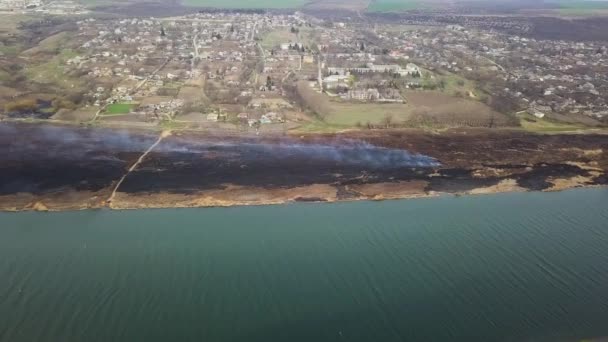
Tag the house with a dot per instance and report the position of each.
(265, 120)
(538, 111)
(412, 69)
(308, 59)
(213, 117)
(269, 118)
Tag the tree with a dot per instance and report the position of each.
(312, 100)
(504, 103)
(162, 31)
(362, 47)
(387, 121)
(269, 83)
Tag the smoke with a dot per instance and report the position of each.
(41, 142)
(339, 152)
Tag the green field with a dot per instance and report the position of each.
(277, 37)
(119, 108)
(580, 7)
(534, 124)
(352, 114)
(52, 71)
(245, 3)
(580, 4)
(396, 5)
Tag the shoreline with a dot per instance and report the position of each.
(479, 192)
(51, 168)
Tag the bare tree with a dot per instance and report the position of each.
(312, 100)
(387, 121)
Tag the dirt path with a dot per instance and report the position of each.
(163, 135)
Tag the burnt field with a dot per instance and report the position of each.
(451, 163)
(186, 166)
(63, 165)
(67, 167)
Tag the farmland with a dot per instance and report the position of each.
(246, 3)
(543, 125)
(351, 114)
(429, 109)
(396, 5)
(580, 7)
(276, 37)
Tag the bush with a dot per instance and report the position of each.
(63, 104)
(22, 105)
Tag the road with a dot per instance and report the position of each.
(263, 60)
(133, 167)
(255, 27)
(320, 71)
(196, 54)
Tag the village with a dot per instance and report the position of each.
(40, 7)
(275, 72)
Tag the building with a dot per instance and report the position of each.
(336, 81)
(363, 94)
(213, 117)
(410, 69)
(308, 59)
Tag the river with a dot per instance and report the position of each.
(506, 267)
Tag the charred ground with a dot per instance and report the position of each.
(67, 168)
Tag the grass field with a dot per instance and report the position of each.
(4, 76)
(317, 126)
(455, 85)
(78, 115)
(582, 12)
(580, 7)
(277, 37)
(430, 109)
(10, 51)
(396, 5)
(351, 114)
(119, 108)
(246, 3)
(9, 22)
(581, 4)
(534, 124)
(52, 71)
(95, 3)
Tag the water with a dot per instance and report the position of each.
(510, 267)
